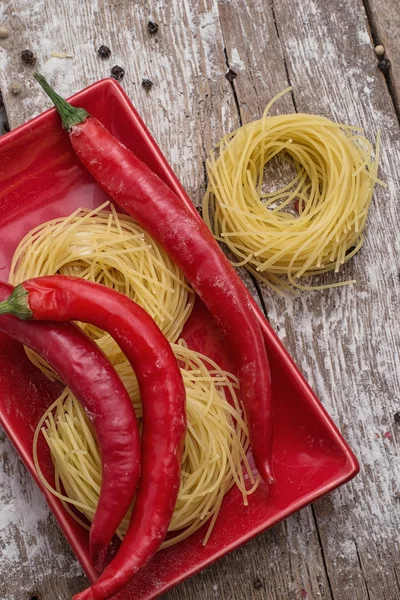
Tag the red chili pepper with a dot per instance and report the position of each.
(163, 397)
(191, 245)
(87, 372)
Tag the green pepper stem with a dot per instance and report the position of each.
(17, 304)
(70, 115)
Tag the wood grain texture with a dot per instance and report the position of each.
(346, 340)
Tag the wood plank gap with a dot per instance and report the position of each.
(237, 104)
(321, 547)
(261, 296)
(200, 211)
(362, 570)
(4, 122)
(283, 54)
(232, 84)
(373, 26)
(396, 578)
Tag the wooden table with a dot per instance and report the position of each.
(345, 340)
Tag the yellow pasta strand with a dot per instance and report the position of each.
(215, 449)
(308, 227)
(111, 249)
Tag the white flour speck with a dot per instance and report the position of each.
(363, 37)
(236, 61)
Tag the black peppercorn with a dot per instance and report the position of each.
(231, 75)
(118, 72)
(384, 65)
(152, 27)
(147, 84)
(397, 417)
(104, 52)
(28, 57)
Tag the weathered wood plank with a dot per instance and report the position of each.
(346, 341)
(283, 564)
(190, 106)
(356, 328)
(384, 19)
(35, 559)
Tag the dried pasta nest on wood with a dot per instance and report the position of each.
(313, 224)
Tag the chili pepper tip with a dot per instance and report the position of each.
(70, 115)
(267, 475)
(17, 304)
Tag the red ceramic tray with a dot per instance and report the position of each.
(40, 179)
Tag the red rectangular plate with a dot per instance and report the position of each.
(40, 179)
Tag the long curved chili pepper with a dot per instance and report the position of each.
(162, 393)
(191, 245)
(87, 372)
